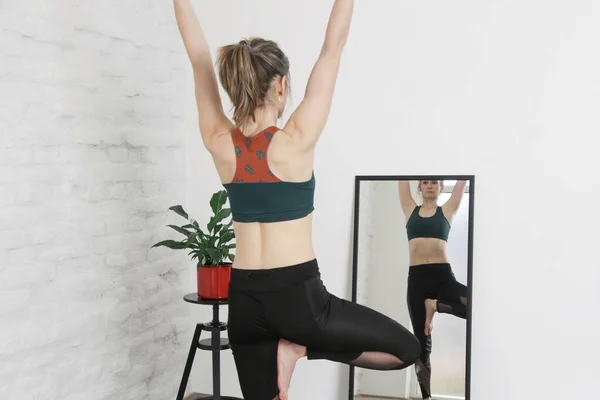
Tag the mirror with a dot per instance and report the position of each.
(412, 259)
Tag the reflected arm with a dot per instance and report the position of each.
(406, 200)
(453, 203)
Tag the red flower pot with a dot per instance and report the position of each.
(213, 281)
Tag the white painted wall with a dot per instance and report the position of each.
(507, 91)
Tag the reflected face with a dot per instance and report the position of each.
(431, 190)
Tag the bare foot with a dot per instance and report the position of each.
(287, 355)
(430, 310)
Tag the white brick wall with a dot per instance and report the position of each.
(91, 156)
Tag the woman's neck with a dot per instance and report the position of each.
(264, 117)
(427, 203)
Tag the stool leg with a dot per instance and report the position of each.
(190, 361)
(216, 353)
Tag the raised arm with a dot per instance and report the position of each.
(309, 119)
(406, 200)
(455, 199)
(211, 116)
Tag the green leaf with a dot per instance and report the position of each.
(231, 257)
(180, 230)
(214, 256)
(218, 228)
(200, 233)
(195, 226)
(198, 236)
(193, 240)
(179, 210)
(227, 232)
(172, 244)
(218, 200)
(226, 237)
(211, 225)
(204, 242)
(222, 214)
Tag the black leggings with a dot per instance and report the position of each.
(292, 303)
(432, 281)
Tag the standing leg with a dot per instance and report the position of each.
(253, 346)
(416, 309)
(256, 365)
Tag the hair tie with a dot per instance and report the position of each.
(250, 49)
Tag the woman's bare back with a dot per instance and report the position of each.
(274, 244)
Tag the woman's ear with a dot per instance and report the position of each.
(283, 82)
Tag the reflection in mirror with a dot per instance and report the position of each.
(412, 262)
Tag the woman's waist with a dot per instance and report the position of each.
(416, 260)
(429, 270)
(277, 258)
(427, 251)
(264, 246)
(273, 279)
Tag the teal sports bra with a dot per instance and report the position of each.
(255, 193)
(436, 226)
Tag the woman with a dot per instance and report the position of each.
(279, 309)
(431, 284)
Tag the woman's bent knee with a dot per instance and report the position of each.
(407, 353)
(412, 351)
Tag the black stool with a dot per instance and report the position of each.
(215, 344)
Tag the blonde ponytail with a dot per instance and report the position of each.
(246, 71)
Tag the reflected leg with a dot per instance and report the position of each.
(452, 298)
(416, 308)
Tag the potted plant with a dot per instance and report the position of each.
(211, 250)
